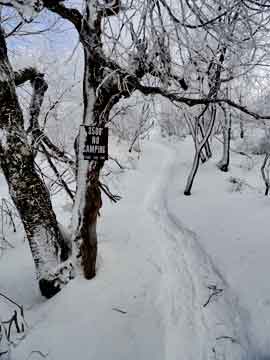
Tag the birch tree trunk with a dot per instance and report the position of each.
(26, 189)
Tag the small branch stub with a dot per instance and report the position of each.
(96, 143)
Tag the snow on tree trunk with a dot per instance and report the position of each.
(207, 148)
(225, 161)
(198, 149)
(88, 197)
(27, 190)
(194, 137)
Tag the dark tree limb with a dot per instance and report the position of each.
(57, 174)
(72, 15)
(113, 197)
(24, 75)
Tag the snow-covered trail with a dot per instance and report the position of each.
(115, 315)
(147, 299)
(214, 331)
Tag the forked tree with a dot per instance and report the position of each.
(27, 190)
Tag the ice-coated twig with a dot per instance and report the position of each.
(119, 310)
(38, 352)
(215, 292)
(227, 338)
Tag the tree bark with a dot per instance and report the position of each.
(88, 197)
(241, 122)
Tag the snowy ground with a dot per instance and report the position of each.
(234, 228)
(150, 299)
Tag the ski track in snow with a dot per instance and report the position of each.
(153, 268)
(216, 331)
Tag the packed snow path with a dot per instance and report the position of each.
(147, 301)
(198, 325)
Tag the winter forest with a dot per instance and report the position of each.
(134, 179)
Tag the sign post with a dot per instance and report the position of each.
(96, 143)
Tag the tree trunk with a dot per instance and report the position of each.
(265, 174)
(198, 149)
(242, 131)
(207, 148)
(194, 137)
(193, 173)
(224, 163)
(27, 190)
(203, 157)
(88, 197)
(88, 230)
(241, 128)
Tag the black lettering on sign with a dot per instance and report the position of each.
(96, 143)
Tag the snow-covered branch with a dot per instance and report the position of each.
(28, 9)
